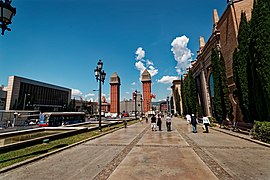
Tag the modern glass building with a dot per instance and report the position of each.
(27, 94)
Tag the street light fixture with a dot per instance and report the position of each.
(100, 76)
(167, 104)
(135, 98)
(6, 14)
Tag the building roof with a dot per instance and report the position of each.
(114, 79)
(146, 76)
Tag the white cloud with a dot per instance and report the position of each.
(148, 62)
(169, 89)
(140, 53)
(76, 93)
(141, 64)
(182, 54)
(167, 79)
(127, 92)
(89, 95)
(133, 83)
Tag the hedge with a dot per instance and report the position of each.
(261, 131)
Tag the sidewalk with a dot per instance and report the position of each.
(240, 135)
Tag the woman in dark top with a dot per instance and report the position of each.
(159, 122)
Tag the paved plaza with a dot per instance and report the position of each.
(137, 152)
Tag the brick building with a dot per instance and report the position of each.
(224, 36)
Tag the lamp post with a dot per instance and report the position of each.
(25, 95)
(135, 98)
(6, 14)
(167, 104)
(100, 76)
(141, 106)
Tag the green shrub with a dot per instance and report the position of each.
(261, 131)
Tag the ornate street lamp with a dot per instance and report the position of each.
(100, 76)
(168, 104)
(6, 14)
(135, 98)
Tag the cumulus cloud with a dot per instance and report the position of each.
(76, 93)
(149, 63)
(182, 54)
(153, 71)
(140, 53)
(142, 64)
(167, 79)
(133, 83)
(89, 95)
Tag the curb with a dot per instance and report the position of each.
(242, 137)
(28, 161)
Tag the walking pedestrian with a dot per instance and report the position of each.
(153, 123)
(188, 118)
(168, 122)
(159, 122)
(206, 123)
(194, 123)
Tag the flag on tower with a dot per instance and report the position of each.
(153, 96)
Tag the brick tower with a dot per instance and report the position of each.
(115, 93)
(146, 83)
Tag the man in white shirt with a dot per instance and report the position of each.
(168, 122)
(188, 118)
(206, 123)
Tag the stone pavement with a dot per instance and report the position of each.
(139, 153)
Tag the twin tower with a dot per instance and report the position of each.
(115, 92)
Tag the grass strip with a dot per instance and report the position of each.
(12, 157)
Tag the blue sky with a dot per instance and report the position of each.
(61, 41)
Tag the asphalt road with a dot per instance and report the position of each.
(137, 152)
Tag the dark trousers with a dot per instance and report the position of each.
(206, 127)
(159, 126)
(168, 124)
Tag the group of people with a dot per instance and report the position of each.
(194, 121)
(156, 121)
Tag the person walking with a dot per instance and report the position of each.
(206, 123)
(168, 122)
(159, 122)
(188, 119)
(194, 123)
(153, 123)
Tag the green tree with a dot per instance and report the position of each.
(177, 101)
(260, 57)
(221, 99)
(241, 67)
(189, 95)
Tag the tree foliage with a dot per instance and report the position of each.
(259, 49)
(177, 101)
(242, 69)
(189, 95)
(221, 99)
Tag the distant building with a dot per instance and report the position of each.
(128, 106)
(27, 94)
(3, 98)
